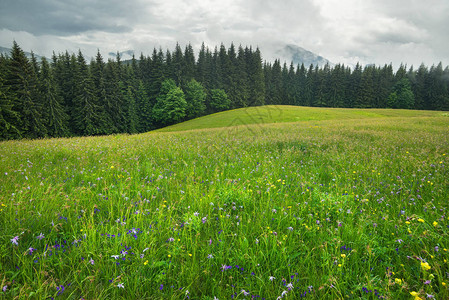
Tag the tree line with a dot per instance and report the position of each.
(67, 96)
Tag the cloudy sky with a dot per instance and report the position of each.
(346, 31)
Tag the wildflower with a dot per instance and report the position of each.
(161, 287)
(120, 285)
(171, 239)
(115, 256)
(14, 240)
(31, 249)
(420, 220)
(435, 223)
(429, 296)
(290, 286)
(91, 261)
(290, 228)
(425, 266)
(398, 281)
(196, 214)
(145, 263)
(245, 293)
(343, 255)
(204, 220)
(4, 288)
(40, 236)
(210, 256)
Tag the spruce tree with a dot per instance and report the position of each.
(56, 118)
(22, 85)
(256, 79)
(86, 112)
(9, 117)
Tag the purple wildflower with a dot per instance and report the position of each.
(14, 240)
(40, 236)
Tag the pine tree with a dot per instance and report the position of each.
(402, 95)
(157, 75)
(104, 106)
(144, 108)
(189, 65)
(22, 85)
(256, 79)
(242, 80)
(55, 116)
(115, 99)
(86, 112)
(132, 114)
(9, 117)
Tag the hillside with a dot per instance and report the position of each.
(286, 113)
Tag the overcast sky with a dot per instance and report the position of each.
(345, 31)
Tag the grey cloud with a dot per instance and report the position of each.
(53, 17)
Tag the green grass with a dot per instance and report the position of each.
(350, 206)
(284, 114)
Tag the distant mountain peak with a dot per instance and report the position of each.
(298, 55)
(7, 52)
(125, 55)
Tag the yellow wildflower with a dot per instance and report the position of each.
(425, 266)
(420, 220)
(398, 281)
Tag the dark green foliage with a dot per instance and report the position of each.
(21, 80)
(86, 112)
(195, 97)
(171, 105)
(69, 97)
(402, 95)
(9, 118)
(55, 116)
(219, 101)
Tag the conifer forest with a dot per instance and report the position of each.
(69, 96)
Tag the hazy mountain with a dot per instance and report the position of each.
(124, 55)
(7, 52)
(298, 55)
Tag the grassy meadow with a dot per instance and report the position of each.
(291, 203)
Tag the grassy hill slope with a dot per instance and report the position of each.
(352, 204)
(286, 113)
